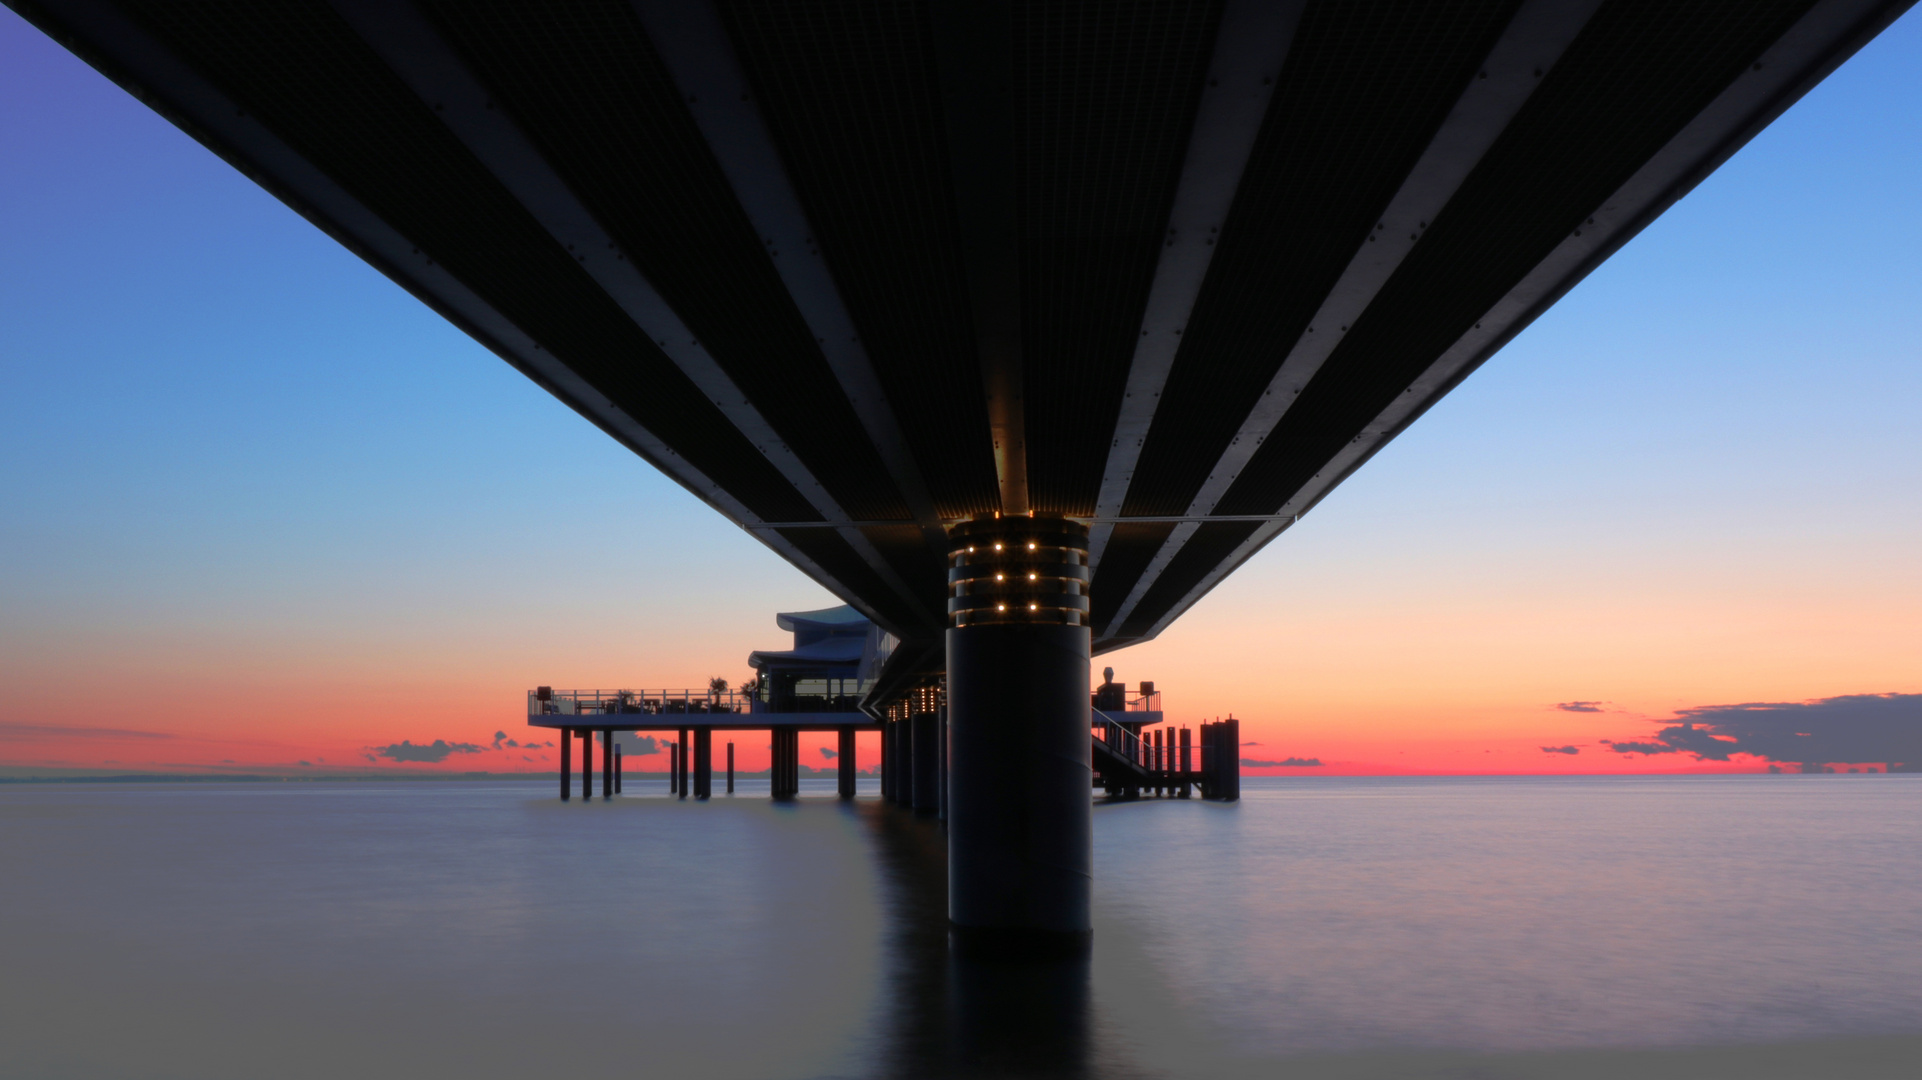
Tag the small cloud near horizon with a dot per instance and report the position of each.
(1561, 749)
(829, 754)
(1251, 744)
(436, 751)
(639, 746)
(1581, 706)
(1285, 763)
(1848, 728)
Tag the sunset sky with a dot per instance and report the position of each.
(262, 510)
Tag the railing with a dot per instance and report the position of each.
(1122, 743)
(636, 702)
(1113, 697)
(679, 702)
(1142, 752)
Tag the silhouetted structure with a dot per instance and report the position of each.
(1135, 285)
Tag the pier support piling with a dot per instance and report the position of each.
(607, 763)
(567, 765)
(784, 775)
(681, 763)
(1185, 766)
(587, 764)
(617, 768)
(904, 762)
(730, 768)
(844, 757)
(926, 763)
(703, 763)
(1020, 808)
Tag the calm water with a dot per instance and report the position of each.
(1321, 927)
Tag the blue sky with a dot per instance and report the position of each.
(237, 457)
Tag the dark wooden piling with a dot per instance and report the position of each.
(567, 764)
(704, 763)
(1184, 765)
(680, 779)
(1161, 763)
(1230, 759)
(587, 763)
(1207, 760)
(673, 770)
(617, 769)
(844, 754)
(607, 764)
(730, 768)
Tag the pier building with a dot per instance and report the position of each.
(819, 685)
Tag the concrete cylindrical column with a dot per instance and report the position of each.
(587, 763)
(927, 763)
(607, 763)
(844, 758)
(681, 763)
(904, 761)
(941, 756)
(703, 762)
(1020, 776)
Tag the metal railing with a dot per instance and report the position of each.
(1141, 752)
(680, 702)
(637, 702)
(1115, 698)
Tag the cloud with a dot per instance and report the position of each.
(645, 744)
(499, 737)
(438, 751)
(309, 764)
(15, 732)
(1285, 763)
(1853, 727)
(826, 753)
(1581, 706)
(1561, 749)
(1251, 744)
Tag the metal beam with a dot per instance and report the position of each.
(1251, 44)
(1818, 44)
(1533, 40)
(415, 51)
(110, 42)
(974, 56)
(693, 44)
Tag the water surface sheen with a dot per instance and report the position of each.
(1321, 927)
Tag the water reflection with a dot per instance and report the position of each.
(950, 1015)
